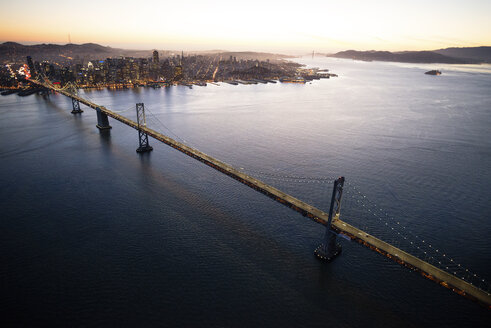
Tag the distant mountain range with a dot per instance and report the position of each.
(16, 52)
(480, 54)
(470, 55)
(13, 51)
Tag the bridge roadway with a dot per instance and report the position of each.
(424, 268)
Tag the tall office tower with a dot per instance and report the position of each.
(178, 75)
(31, 67)
(155, 56)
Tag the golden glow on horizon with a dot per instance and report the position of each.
(282, 26)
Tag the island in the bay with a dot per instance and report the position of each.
(95, 66)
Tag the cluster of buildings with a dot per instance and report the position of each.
(125, 72)
(111, 72)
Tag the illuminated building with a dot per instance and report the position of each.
(31, 67)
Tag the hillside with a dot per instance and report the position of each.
(482, 54)
(16, 52)
(12, 51)
(404, 56)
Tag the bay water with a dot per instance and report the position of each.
(94, 234)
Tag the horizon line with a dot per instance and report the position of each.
(34, 43)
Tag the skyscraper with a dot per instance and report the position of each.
(155, 56)
(31, 67)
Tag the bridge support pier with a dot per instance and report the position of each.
(329, 249)
(76, 107)
(142, 136)
(102, 120)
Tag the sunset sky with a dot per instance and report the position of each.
(281, 26)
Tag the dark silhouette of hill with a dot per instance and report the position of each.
(482, 54)
(251, 55)
(51, 48)
(16, 52)
(404, 56)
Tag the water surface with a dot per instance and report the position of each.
(94, 234)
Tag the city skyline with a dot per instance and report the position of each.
(286, 26)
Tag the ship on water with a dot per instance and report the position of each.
(434, 72)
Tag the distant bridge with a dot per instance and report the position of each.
(334, 225)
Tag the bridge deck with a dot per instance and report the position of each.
(429, 271)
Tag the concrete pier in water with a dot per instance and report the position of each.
(102, 120)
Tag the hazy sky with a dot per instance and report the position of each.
(281, 26)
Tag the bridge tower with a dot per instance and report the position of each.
(76, 107)
(102, 120)
(142, 136)
(329, 249)
(72, 89)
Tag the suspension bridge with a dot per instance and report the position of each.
(450, 274)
